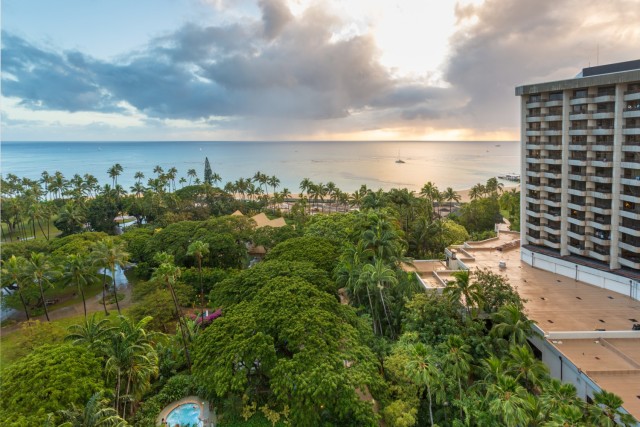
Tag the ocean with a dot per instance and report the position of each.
(459, 165)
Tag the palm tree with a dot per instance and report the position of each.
(477, 191)
(378, 275)
(215, 178)
(114, 172)
(508, 401)
(92, 333)
(423, 372)
(510, 322)
(462, 287)
(523, 366)
(169, 273)
(139, 176)
(79, 271)
(13, 274)
(607, 411)
(450, 195)
(556, 394)
(42, 272)
(457, 362)
(191, 173)
(96, 413)
(199, 250)
(108, 254)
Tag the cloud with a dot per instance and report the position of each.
(506, 43)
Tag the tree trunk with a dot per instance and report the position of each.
(42, 230)
(372, 316)
(104, 293)
(124, 406)
(430, 405)
(184, 339)
(24, 304)
(115, 290)
(201, 291)
(384, 306)
(84, 302)
(44, 304)
(116, 401)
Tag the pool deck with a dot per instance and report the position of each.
(207, 419)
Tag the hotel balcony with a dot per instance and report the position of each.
(628, 130)
(630, 263)
(602, 179)
(599, 239)
(549, 146)
(580, 116)
(603, 115)
(604, 98)
(574, 146)
(533, 186)
(551, 229)
(551, 189)
(577, 207)
(553, 103)
(534, 240)
(631, 113)
(631, 95)
(631, 180)
(531, 118)
(534, 214)
(631, 147)
(600, 225)
(582, 131)
(534, 160)
(552, 174)
(552, 132)
(552, 160)
(551, 202)
(629, 247)
(551, 243)
(537, 103)
(577, 221)
(576, 235)
(553, 117)
(533, 145)
(630, 231)
(577, 192)
(602, 146)
(630, 165)
(577, 251)
(601, 210)
(533, 173)
(532, 200)
(577, 176)
(536, 227)
(601, 163)
(578, 100)
(631, 214)
(629, 198)
(533, 132)
(600, 194)
(599, 256)
(602, 131)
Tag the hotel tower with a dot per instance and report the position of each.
(580, 204)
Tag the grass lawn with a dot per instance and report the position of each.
(12, 237)
(22, 341)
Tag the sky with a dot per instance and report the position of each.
(77, 70)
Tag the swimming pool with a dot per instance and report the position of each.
(186, 414)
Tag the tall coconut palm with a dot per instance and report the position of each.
(79, 271)
(524, 367)
(109, 254)
(457, 362)
(191, 173)
(13, 274)
(378, 275)
(477, 191)
(450, 195)
(199, 250)
(423, 372)
(114, 172)
(168, 273)
(40, 269)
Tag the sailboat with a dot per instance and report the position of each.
(399, 159)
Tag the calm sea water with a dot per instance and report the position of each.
(459, 165)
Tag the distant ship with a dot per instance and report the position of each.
(399, 159)
(510, 177)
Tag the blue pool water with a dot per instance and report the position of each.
(185, 415)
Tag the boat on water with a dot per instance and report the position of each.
(514, 177)
(400, 161)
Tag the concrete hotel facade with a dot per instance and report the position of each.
(580, 204)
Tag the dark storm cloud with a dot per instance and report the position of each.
(275, 15)
(517, 42)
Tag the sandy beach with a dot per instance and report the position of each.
(464, 194)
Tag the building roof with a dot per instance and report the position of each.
(262, 220)
(573, 315)
(597, 76)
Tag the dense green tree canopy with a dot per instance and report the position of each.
(289, 346)
(49, 379)
(317, 250)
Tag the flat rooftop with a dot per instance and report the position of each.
(562, 306)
